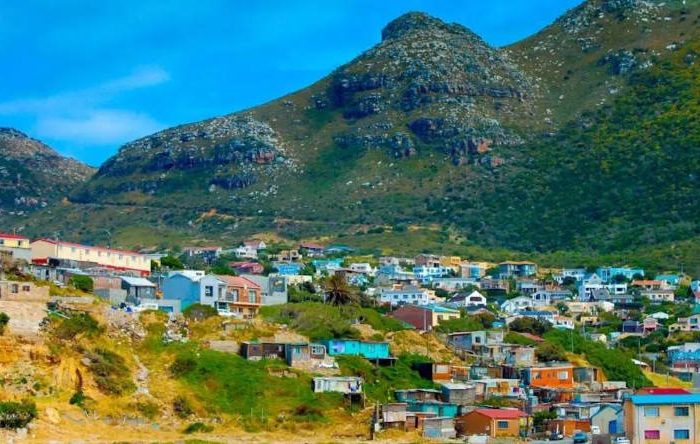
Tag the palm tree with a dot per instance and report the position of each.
(338, 292)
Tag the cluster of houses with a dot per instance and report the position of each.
(422, 292)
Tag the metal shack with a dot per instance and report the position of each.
(394, 415)
(417, 395)
(441, 409)
(460, 394)
(259, 350)
(369, 350)
(348, 385)
(441, 428)
(304, 352)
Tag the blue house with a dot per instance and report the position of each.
(513, 269)
(427, 274)
(670, 279)
(441, 409)
(326, 265)
(369, 350)
(608, 273)
(288, 268)
(193, 287)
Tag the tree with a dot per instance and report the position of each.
(548, 351)
(82, 283)
(530, 325)
(171, 263)
(338, 292)
(4, 320)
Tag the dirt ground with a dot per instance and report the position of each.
(25, 317)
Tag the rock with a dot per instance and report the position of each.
(52, 415)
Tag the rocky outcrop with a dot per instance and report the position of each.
(33, 175)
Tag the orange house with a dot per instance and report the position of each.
(242, 296)
(550, 376)
(493, 422)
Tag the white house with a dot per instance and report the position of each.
(473, 299)
(363, 268)
(563, 322)
(512, 306)
(403, 295)
(246, 252)
(593, 284)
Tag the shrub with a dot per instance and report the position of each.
(172, 263)
(80, 323)
(548, 351)
(530, 325)
(199, 312)
(148, 409)
(110, 371)
(83, 283)
(182, 407)
(15, 415)
(4, 320)
(198, 427)
(182, 365)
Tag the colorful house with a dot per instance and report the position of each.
(18, 247)
(369, 350)
(514, 269)
(120, 260)
(662, 418)
(549, 376)
(495, 423)
(425, 317)
(241, 296)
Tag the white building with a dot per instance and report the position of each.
(403, 295)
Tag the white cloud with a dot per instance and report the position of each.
(88, 97)
(100, 127)
(84, 117)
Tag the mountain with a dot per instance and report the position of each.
(555, 142)
(33, 175)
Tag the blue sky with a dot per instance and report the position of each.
(87, 76)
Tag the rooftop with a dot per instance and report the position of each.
(501, 413)
(665, 399)
(12, 236)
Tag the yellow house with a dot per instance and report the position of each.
(17, 247)
(45, 249)
(662, 418)
(450, 261)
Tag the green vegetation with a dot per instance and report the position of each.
(198, 427)
(229, 384)
(550, 351)
(172, 263)
(380, 382)
(322, 321)
(110, 371)
(530, 325)
(77, 324)
(466, 323)
(15, 415)
(82, 283)
(199, 312)
(4, 320)
(514, 338)
(616, 363)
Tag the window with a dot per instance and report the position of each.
(15, 289)
(25, 288)
(502, 424)
(563, 376)
(681, 434)
(252, 296)
(652, 434)
(681, 411)
(651, 411)
(209, 291)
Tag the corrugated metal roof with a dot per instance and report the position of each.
(665, 399)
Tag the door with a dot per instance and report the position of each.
(612, 427)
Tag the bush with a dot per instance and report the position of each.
(4, 320)
(182, 365)
(80, 323)
(198, 427)
(530, 325)
(83, 283)
(548, 351)
(199, 312)
(171, 263)
(110, 371)
(148, 409)
(182, 407)
(15, 415)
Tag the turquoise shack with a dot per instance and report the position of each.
(374, 351)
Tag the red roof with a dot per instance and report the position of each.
(663, 391)
(238, 281)
(501, 413)
(12, 236)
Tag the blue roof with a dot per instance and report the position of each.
(665, 399)
(440, 309)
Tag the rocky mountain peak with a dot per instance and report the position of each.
(413, 22)
(11, 132)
